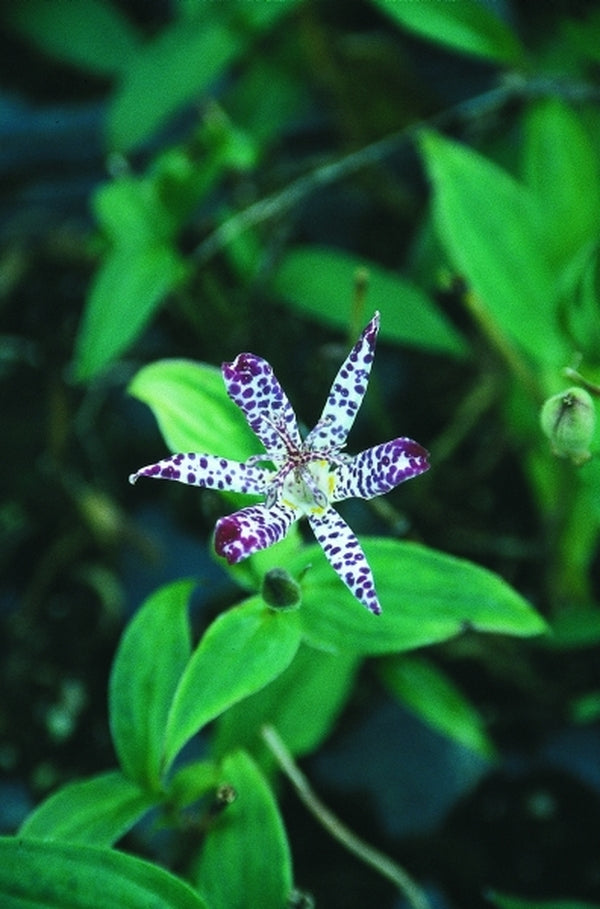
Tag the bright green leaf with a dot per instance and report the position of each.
(566, 182)
(193, 410)
(172, 70)
(129, 212)
(126, 291)
(426, 597)
(241, 652)
(314, 687)
(512, 902)
(320, 283)
(468, 26)
(245, 860)
(97, 811)
(37, 874)
(429, 693)
(151, 657)
(493, 233)
(191, 782)
(92, 34)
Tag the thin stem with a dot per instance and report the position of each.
(366, 853)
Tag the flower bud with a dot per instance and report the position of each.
(568, 419)
(280, 590)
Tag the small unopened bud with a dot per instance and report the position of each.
(280, 590)
(568, 419)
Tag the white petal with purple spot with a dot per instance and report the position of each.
(245, 532)
(208, 471)
(377, 470)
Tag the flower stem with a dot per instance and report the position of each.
(377, 860)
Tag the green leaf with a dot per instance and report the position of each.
(320, 282)
(97, 811)
(130, 213)
(245, 860)
(172, 70)
(193, 410)
(36, 874)
(126, 291)
(426, 597)
(512, 902)
(92, 34)
(467, 26)
(566, 183)
(191, 782)
(314, 687)
(429, 693)
(493, 233)
(150, 659)
(241, 652)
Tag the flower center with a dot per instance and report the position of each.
(308, 487)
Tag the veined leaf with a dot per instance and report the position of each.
(245, 860)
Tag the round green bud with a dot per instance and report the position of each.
(280, 590)
(568, 419)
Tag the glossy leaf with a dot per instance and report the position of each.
(314, 687)
(320, 282)
(126, 291)
(193, 410)
(245, 859)
(151, 657)
(92, 34)
(241, 652)
(566, 183)
(426, 596)
(52, 875)
(171, 70)
(493, 233)
(467, 26)
(431, 695)
(97, 811)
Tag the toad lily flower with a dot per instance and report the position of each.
(299, 477)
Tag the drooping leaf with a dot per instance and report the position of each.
(493, 233)
(96, 811)
(52, 875)
(426, 597)
(320, 282)
(193, 410)
(429, 693)
(151, 657)
(92, 34)
(467, 26)
(125, 292)
(245, 860)
(241, 652)
(566, 183)
(314, 687)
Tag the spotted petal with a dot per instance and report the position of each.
(253, 386)
(377, 470)
(346, 394)
(346, 557)
(209, 471)
(256, 527)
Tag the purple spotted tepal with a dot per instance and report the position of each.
(300, 477)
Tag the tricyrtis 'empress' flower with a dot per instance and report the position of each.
(299, 477)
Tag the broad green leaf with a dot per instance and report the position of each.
(97, 811)
(193, 410)
(468, 26)
(245, 860)
(426, 597)
(151, 657)
(174, 69)
(126, 291)
(92, 34)
(314, 688)
(566, 182)
(429, 693)
(320, 283)
(241, 652)
(37, 874)
(513, 902)
(130, 213)
(191, 782)
(492, 231)
(573, 627)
